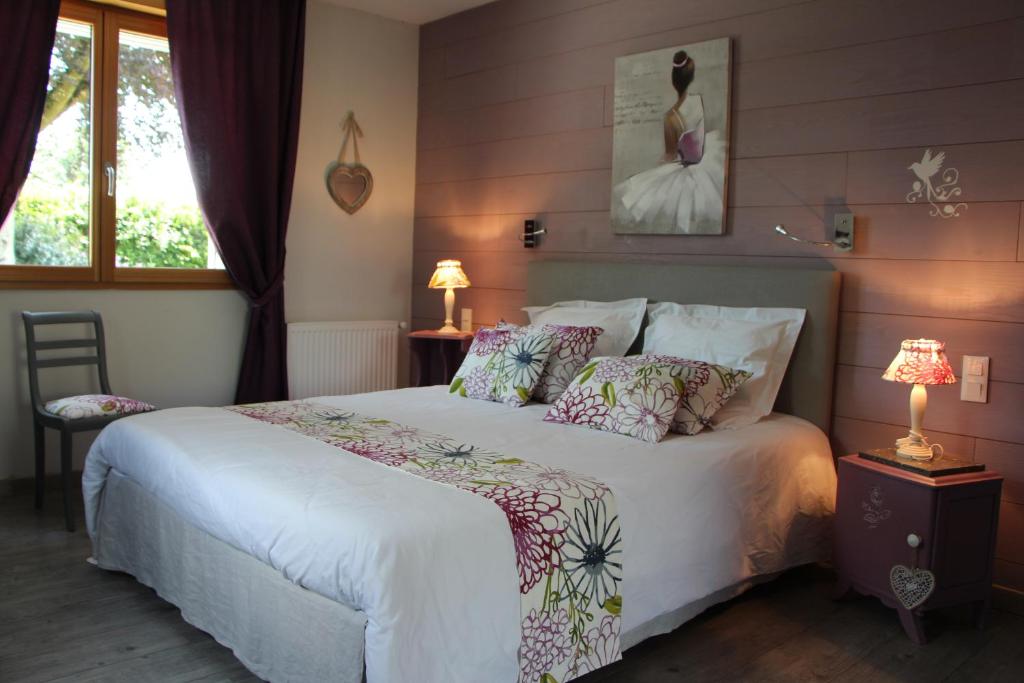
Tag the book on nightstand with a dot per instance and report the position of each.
(939, 466)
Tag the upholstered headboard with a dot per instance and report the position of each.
(807, 389)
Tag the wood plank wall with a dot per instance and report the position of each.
(833, 99)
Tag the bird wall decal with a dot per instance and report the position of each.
(938, 187)
(928, 167)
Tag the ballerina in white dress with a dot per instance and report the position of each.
(683, 194)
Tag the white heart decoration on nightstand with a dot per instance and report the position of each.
(911, 586)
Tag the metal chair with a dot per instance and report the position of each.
(42, 412)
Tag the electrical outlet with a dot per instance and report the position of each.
(974, 379)
(842, 231)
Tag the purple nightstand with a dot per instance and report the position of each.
(880, 510)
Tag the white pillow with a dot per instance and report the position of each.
(620, 320)
(759, 340)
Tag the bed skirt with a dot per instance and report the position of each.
(278, 630)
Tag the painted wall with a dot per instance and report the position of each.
(176, 348)
(832, 101)
(359, 267)
(171, 348)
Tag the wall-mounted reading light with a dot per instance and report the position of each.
(842, 241)
(531, 233)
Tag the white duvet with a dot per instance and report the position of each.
(433, 567)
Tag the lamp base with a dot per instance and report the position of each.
(449, 305)
(916, 447)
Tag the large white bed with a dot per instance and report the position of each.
(313, 563)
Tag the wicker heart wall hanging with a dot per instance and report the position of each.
(911, 586)
(349, 184)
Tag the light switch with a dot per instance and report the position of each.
(974, 379)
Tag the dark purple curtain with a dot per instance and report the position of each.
(27, 30)
(237, 68)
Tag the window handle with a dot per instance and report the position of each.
(111, 173)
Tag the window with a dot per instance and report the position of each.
(109, 200)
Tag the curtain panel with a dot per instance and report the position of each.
(27, 32)
(237, 67)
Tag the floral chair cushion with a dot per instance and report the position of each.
(706, 388)
(570, 351)
(633, 395)
(96, 405)
(503, 365)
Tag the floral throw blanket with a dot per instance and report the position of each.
(564, 525)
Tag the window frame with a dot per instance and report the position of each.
(107, 23)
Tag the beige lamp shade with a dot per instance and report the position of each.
(448, 275)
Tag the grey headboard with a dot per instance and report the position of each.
(807, 390)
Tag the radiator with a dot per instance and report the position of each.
(333, 358)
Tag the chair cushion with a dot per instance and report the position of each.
(96, 405)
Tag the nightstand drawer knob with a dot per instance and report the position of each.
(913, 540)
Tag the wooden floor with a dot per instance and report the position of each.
(64, 620)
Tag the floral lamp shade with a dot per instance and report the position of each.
(920, 361)
(449, 274)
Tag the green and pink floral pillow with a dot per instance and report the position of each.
(570, 351)
(644, 396)
(503, 365)
(632, 395)
(707, 388)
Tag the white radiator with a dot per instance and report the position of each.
(333, 358)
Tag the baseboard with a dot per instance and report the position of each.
(26, 486)
(1008, 599)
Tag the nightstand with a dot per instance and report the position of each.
(437, 355)
(883, 512)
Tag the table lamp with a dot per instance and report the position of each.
(919, 362)
(448, 276)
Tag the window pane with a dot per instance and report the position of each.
(51, 221)
(158, 220)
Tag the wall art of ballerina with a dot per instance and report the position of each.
(671, 140)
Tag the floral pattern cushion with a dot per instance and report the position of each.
(637, 396)
(96, 405)
(570, 351)
(706, 388)
(503, 365)
(645, 396)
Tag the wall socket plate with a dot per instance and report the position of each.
(974, 379)
(842, 231)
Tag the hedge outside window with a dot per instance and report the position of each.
(109, 200)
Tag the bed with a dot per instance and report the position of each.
(313, 564)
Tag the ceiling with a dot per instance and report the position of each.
(412, 11)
